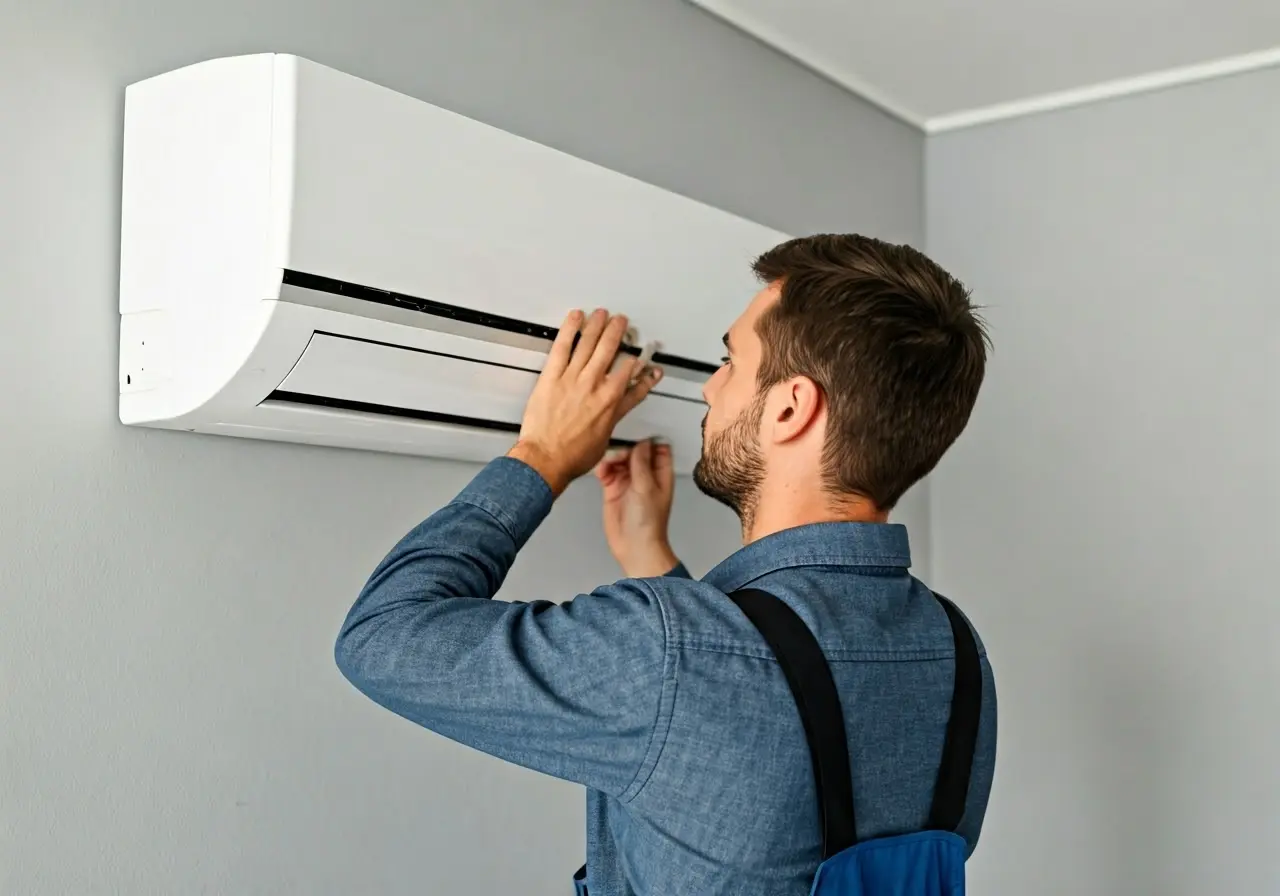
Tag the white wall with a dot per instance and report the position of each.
(171, 720)
(1110, 518)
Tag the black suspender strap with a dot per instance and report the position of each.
(809, 677)
(814, 690)
(951, 790)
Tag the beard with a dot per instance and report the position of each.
(731, 467)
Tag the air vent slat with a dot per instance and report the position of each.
(319, 283)
(341, 404)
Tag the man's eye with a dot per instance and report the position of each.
(724, 360)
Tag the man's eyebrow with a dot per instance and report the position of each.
(725, 340)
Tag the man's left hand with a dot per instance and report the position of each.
(579, 397)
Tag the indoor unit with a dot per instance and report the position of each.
(310, 257)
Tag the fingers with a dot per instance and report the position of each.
(606, 348)
(651, 468)
(664, 471)
(562, 347)
(615, 461)
(587, 341)
(596, 346)
(642, 464)
(636, 394)
(620, 378)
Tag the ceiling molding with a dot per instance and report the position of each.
(780, 43)
(1033, 105)
(1107, 90)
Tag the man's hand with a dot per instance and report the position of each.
(580, 396)
(638, 486)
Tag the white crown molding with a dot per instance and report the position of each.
(1107, 90)
(1034, 105)
(822, 67)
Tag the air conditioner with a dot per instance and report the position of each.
(310, 257)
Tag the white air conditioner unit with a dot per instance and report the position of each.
(309, 257)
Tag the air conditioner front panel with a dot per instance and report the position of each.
(377, 379)
(401, 195)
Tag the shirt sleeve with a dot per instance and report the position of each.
(573, 690)
(678, 572)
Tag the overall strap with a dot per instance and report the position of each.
(809, 677)
(951, 790)
(814, 690)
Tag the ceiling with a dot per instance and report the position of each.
(941, 64)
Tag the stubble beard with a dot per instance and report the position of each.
(731, 467)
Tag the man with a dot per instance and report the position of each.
(846, 379)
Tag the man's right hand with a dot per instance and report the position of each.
(638, 487)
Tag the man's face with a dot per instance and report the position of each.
(732, 466)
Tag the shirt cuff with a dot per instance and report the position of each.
(513, 493)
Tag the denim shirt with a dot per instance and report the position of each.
(661, 698)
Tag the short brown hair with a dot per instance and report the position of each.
(895, 345)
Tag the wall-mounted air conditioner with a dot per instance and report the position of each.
(310, 257)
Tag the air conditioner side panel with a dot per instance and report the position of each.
(398, 194)
(194, 233)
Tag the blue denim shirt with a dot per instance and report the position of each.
(660, 696)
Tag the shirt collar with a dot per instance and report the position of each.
(817, 544)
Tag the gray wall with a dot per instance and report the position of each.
(172, 721)
(1110, 518)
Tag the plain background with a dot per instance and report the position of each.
(1110, 516)
(172, 719)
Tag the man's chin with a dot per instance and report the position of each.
(699, 471)
(700, 477)
(709, 488)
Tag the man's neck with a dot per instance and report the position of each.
(786, 508)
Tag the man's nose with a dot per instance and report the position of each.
(709, 387)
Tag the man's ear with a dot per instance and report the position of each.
(793, 409)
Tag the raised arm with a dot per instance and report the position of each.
(569, 689)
